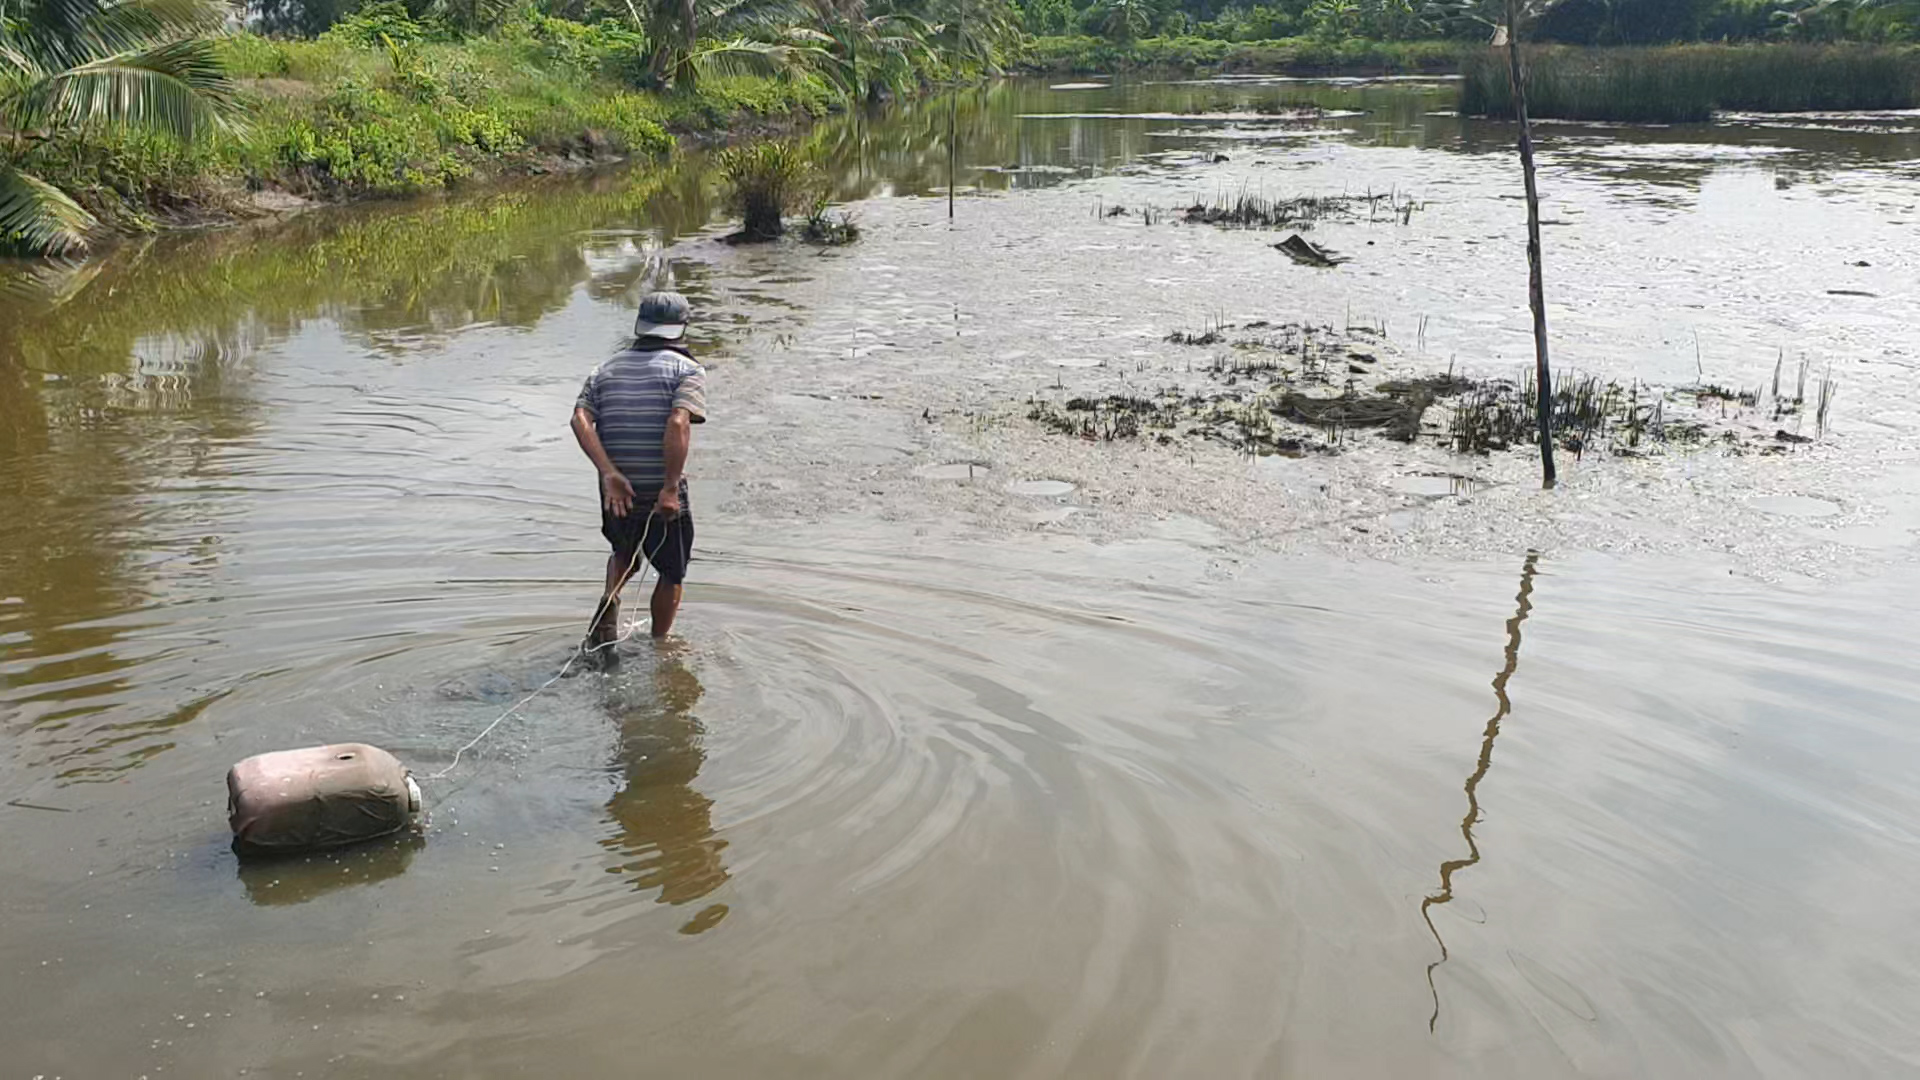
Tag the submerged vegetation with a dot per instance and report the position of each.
(1244, 209)
(1297, 388)
(1589, 414)
(1685, 84)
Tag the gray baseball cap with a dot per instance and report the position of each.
(662, 315)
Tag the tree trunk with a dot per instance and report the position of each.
(763, 219)
(1536, 288)
(692, 42)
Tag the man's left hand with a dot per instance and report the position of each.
(668, 504)
(617, 493)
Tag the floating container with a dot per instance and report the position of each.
(323, 796)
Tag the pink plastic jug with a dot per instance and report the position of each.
(323, 796)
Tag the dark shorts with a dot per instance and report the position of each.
(668, 545)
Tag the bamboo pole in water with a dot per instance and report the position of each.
(953, 123)
(1536, 288)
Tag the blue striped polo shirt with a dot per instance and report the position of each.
(630, 397)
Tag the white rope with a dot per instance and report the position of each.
(598, 614)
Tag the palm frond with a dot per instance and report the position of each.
(755, 18)
(39, 218)
(745, 57)
(818, 38)
(178, 87)
(17, 63)
(65, 33)
(902, 25)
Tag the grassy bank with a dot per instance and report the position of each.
(1289, 56)
(1689, 83)
(381, 108)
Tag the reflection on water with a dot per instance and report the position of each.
(666, 834)
(1523, 607)
(86, 444)
(282, 880)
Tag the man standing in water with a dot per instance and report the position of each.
(634, 418)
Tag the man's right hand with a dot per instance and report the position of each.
(667, 505)
(617, 492)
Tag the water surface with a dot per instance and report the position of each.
(986, 752)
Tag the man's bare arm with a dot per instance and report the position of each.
(614, 487)
(679, 440)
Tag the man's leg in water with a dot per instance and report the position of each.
(607, 626)
(666, 604)
(670, 555)
(617, 574)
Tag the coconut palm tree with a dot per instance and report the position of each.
(866, 51)
(673, 29)
(1820, 20)
(740, 37)
(1125, 20)
(69, 67)
(863, 50)
(970, 35)
(1334, 19)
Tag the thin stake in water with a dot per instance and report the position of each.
(953, 146)
(1536, 288)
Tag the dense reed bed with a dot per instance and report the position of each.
(1689, 83)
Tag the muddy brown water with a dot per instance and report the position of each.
(986, 752)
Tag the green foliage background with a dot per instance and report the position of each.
(381, 104)
(346, 98)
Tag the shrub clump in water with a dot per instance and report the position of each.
(829, 228)
(766, 180)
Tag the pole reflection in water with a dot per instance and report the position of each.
(666, 835)
(1524, 605)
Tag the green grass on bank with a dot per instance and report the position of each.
(1689, 83)
(1300, 56)
(362, 111)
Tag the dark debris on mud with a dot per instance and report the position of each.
(1249, 211)
(1292, 389)
(1306, 253)
(1243, 209)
